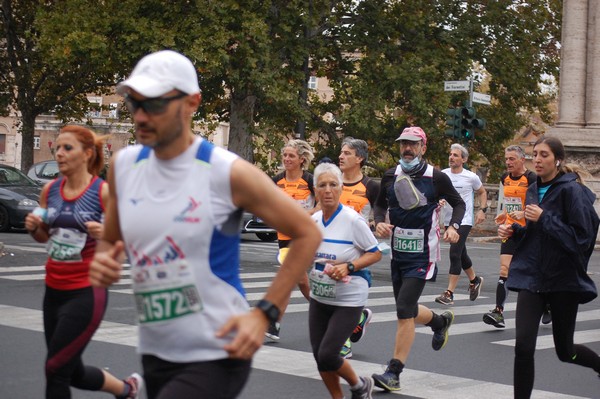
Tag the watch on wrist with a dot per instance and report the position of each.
(484, 210)
(350, 267)
(270, 310)
(456, 226)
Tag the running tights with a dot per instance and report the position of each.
(530, 307)
(329, 327)
(70, 319)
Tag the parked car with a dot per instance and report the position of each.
(252, 224)
(43, 172)
(19, 195)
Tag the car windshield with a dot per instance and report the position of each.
(13, 177)
(50, 171)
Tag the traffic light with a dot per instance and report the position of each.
(453, 122)
(469, 123)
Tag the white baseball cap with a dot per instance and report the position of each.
(159, 73)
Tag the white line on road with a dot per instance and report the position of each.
(299, 363)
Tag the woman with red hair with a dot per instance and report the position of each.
(69, 219)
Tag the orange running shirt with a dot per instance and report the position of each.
(360, 196)
(515, 189)
(301, 190)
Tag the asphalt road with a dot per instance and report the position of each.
(477, 361)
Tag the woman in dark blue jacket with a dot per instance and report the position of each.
(549, 266)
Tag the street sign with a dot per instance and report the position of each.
(482, 98)
(456, 85)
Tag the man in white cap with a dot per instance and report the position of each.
(175, 207)
(411, 193)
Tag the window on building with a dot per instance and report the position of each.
(112, 111)
(2, 143)
(36, 142)
(312, 83)
(96, 110)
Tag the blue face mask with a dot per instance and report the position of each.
(408, 166)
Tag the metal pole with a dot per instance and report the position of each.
(470, 91)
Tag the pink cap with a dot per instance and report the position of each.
(413, 133)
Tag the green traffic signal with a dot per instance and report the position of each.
(453, 122)
(469, 123)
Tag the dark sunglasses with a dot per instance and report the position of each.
(151, 106)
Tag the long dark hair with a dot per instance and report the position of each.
(558, 149)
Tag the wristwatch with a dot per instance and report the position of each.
(270, 310)
(350, 267)
(456, 226)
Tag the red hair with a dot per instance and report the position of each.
(89, 140)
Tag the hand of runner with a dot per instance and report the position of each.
(383, 230)
(105, 268)
(248, 331)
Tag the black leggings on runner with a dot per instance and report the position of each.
(217, 379)
(459, 259)
(330, 326)
(70, 319)
(530, 307)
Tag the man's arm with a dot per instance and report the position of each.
(105, 268)
(482, 193)
(252, 190)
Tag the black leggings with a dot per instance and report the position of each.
(530, 307)
(459, 259)
(217, 379)
(70, 320)
(329, 328)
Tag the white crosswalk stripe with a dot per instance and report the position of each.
(301, 363)
(294, 362)
(381, 301)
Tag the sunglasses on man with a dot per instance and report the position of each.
(151, 106)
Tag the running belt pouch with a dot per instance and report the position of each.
(406, 193)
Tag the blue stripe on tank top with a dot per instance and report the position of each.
(224, 259)
(204, 151)
(144, 154)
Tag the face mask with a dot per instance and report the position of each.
(408, 166)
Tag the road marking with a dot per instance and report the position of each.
(298, 363)
(544, 342)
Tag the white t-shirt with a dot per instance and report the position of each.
(346, 236)
(466, 183)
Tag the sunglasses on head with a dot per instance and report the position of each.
(152, 106)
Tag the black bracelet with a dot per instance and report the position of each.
(484, 209)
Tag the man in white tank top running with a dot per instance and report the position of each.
(175, 207)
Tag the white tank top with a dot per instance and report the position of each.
(181, 232)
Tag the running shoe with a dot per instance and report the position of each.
(494, 318)
(346, 351)
(136, 383)
(273, 331)
(361, 328)
(475, 288)
(547, 316)
(440, 337)
(390, 379)
(365, 391)
(447, 298)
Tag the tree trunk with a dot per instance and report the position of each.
(241, 125)
(27, 133)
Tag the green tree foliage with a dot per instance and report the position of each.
(395, 55)
(385, 60)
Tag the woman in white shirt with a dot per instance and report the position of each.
(339, 283)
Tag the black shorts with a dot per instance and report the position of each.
(508, 247)
(219, 379)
